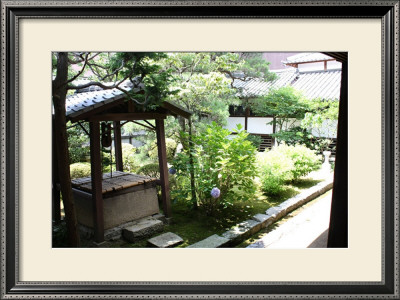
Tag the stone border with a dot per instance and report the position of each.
(247, 228)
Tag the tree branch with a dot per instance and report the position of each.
(81, 71)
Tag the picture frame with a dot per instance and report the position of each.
(13, 12)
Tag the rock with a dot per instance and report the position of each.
(214, 241)
(142, 229)
(165, 240)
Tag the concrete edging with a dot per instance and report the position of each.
(247, 228)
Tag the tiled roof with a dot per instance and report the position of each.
(319, 84)
(256, 87)
(79, 103)
(307, 57)
(313, 84)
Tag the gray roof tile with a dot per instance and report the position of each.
(313, 84)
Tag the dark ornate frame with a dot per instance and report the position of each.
(13, 11)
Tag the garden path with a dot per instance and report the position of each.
(307, 229)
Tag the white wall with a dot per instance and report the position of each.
(233, 121)
(259, 125)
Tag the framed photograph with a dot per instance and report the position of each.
(362, 262)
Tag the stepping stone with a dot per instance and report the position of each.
(142, 229)
(214, 241)
(165, 240)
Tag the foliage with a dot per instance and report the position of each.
(287, 106)
(322, 119)
(304, 160)
(203, 83)
(79, 170)
(129, 161)
(220, 162)
(77, 144)
(275, 170)
(295, 135)
(151, 170)
(283, 164)
(171, 149)
(255, 140)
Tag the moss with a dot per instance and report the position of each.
(194, 225)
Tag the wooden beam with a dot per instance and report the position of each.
(97, 177)
(118, 146)
(143, 125)
(127, 116)
(177, 110)
(162, 160)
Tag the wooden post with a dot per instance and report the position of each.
(273, 131)
(97, 177)
(118, 146)
(338, 227)
(162, 160)
(246, 116)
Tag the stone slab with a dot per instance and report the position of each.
(263, 219)
(251, 225)
(214, 241)
(242, 231)
(165, 240)
(142, 229)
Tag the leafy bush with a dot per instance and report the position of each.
(221, 162)
(255, 140)
(304, 160)
(129, 161)
(170, 144)
(283, 164)
(79, 170)
(295, 135)
(275, 170)
(152, 170)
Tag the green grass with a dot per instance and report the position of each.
(194, 225)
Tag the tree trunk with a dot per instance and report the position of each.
(192, 180)
(59, 96)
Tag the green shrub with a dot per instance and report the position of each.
(304, 159)
(152, 170)
(255, 140)
(79, 170)
(170, 144)
(219, 163)
(129, 160)
(275, 170)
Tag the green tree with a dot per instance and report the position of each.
(203, 83)
(286, 106)
(322, 120)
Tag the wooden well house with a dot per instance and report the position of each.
(106, 201)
